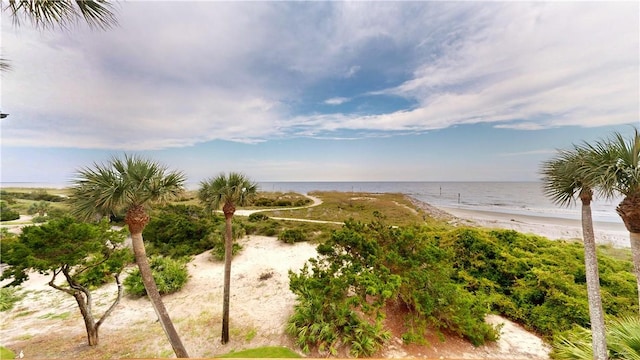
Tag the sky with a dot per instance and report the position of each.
(321, 91)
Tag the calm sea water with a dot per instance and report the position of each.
(504, 197)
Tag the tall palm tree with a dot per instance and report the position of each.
(227, 191)
(131, 184)
(562, 182)
(618, 165)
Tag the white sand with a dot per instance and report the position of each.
(614, 234)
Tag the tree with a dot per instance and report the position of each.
(131, 184)
(617, 165)
(227, 191)
(563, 180)
(68, 248)
(41, 208)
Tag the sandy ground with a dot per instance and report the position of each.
(614, 234)
(47, 323)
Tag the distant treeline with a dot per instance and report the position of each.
(37, 195)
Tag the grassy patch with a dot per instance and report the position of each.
(6, 353)
(341, 206)
(54, 316)
(263, 352)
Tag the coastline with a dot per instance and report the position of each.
(554, 228)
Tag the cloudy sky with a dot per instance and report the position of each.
(321, 91)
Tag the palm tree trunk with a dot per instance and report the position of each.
(629, 211)
(596, 315)
(634, 238)
(228, 253)
(154, 296)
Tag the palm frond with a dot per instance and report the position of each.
(62, 13)
(234, 189)
(617, 164)
(559, 177)
(122, 183)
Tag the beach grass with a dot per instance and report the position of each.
(6, 353)
(336, 206)
(263, 352)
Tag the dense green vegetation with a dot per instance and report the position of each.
(169, 274)
(6, 213)
(447, 279)
(185, 230)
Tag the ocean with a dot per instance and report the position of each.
(525, 198)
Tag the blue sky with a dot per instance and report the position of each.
(321, 91)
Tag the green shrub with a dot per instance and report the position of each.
(6, 213)
(450, 278)
(8, 297)
(180, 230)
(169, 274)
(291, 236)
(257, 217)
(39, 219)
(218, 248)
(535, 281)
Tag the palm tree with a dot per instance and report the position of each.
(623, 337)
(130, 185)
(229, 191)
(618, 166)
(562, 182)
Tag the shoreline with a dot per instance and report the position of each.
(554, 228)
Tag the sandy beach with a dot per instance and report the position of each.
(554, 228)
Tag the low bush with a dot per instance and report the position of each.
(6, 213)
(291, 236)
(257, 217)
(181, 230)
(169, 274)
(9, 296)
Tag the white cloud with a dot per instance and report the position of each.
(336, 101)
(174, 75)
